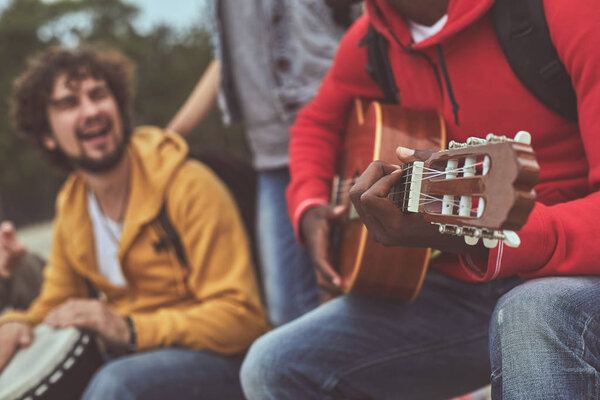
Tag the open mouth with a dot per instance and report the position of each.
(92, 134)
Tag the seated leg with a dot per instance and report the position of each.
(356, 347)
(168, 374)
(544, 340)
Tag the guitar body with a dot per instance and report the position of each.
(373, 132)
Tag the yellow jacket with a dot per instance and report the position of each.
(213, 303)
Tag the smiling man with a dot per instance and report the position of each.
(183, 320)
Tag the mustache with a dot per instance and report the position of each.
(102, 121)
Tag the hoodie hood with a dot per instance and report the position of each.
(461, 13)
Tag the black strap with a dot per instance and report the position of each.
(378, 64)
(171, 236)
(523, 34)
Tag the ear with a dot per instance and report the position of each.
(49, 142)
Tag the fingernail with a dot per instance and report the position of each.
(336, 281)
(338, 209)
(405, 152)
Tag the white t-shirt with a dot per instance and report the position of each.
(107, 234)
(421, 32)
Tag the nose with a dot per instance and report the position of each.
(89, 108)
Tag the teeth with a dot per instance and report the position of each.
(96, 133)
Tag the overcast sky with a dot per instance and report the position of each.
(176, 13)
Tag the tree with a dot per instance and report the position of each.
(168, 65)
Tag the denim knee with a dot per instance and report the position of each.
(544, 340)
(259, 370)
(109, 382)
(546, 306)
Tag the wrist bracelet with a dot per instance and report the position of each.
(132, 344)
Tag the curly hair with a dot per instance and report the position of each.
(32, 91)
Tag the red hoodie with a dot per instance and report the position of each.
(561, 236)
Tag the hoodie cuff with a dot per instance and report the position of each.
(300, 210)
(146, 332)
(19, 316)
(536, 249)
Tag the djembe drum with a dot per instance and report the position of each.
(56, 366)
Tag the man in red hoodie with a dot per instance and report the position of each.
(541, 334)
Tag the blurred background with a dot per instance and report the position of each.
(167, 40)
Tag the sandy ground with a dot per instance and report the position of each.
(37, 237)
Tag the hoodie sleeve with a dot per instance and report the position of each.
(316, 134)
(561, 239)
(225, 314)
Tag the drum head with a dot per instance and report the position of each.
(50, 350)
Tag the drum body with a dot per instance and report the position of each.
(57, 365)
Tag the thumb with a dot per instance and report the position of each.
(25, 339)
(334, 212)
(409, 155)
(7, 229)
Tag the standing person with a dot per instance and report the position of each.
(270, 57)
(532, 310)
(185, 320)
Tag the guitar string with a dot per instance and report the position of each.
(432, 172)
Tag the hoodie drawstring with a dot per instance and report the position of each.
(455, 106)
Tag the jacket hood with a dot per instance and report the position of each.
(461, 13)
(156, 156)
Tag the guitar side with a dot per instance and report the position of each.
(373, 132)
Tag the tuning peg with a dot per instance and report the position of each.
(490, 243)
(523, 137)
(471, 240)
(511, 239)
(474, 141)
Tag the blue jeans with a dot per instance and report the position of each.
(288, 277)
(168, 374)
(545, 340)
(356, 347)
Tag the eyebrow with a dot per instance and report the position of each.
(54, 101)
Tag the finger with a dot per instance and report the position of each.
(25, 338)
(6, 352)
(406, 155)
(320, 253)
(321, 260)
(11, 250)
(327, 286)
(374, 172)
(6, 228)
(336, 212)
(63, 314)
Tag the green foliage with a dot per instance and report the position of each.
(168, 63)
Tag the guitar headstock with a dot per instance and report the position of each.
(479, 189)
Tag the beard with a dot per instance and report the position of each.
(99, 165)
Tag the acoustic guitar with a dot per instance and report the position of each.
(482, 190)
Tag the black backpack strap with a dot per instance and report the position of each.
(378, 64)
(171, 237)
(523, 34)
